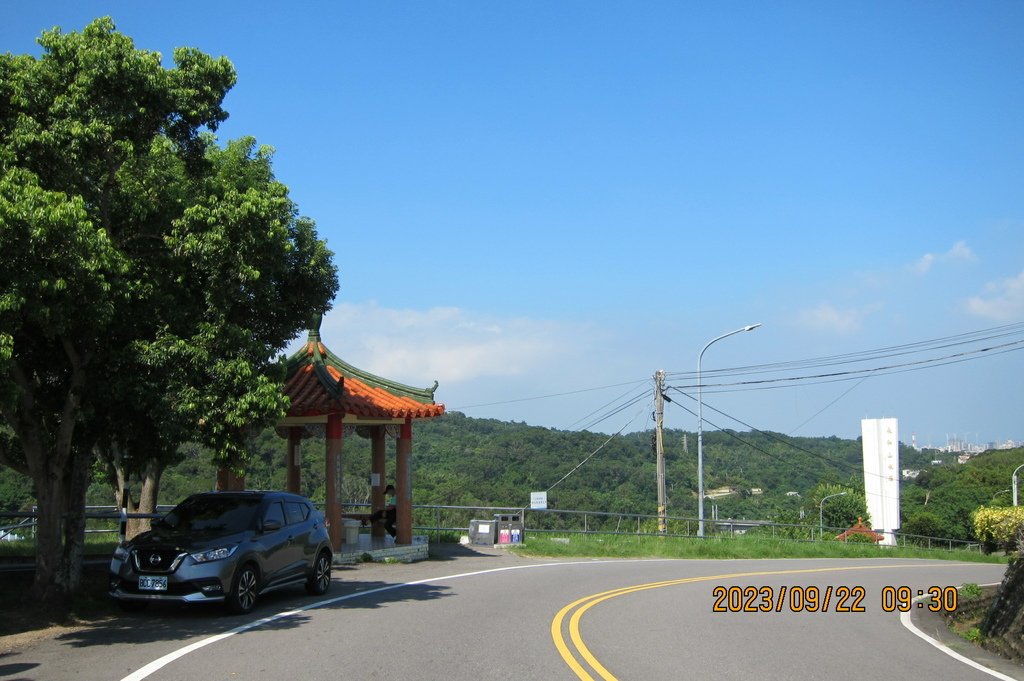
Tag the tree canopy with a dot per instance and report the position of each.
(149, 278)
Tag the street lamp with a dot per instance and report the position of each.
(821, 511)
(1015, 483)
(700, 429)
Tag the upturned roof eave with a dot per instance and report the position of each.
(331, 374)
(315, 353)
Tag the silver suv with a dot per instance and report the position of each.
(227, 547)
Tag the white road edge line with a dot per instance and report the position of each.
(162, 662)
(908, 623)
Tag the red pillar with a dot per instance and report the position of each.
(378, 469)
(332, 506)
(403, 484)
(294, 458)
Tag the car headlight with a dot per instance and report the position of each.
(214, 554)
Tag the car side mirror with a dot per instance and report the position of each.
(272, 525)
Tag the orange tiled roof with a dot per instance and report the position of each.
(860, 528)
(319, 383)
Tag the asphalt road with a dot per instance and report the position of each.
(490, 615)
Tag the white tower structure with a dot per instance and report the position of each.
(881, 441)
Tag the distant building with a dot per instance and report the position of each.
(910, 474)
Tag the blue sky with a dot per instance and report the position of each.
(534, 199)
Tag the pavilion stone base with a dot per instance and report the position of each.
(382, 548)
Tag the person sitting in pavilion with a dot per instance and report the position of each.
(388, 514)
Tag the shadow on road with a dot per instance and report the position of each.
(164, 622)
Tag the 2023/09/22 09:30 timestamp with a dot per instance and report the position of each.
(830, 598)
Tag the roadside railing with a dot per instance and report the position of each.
(456, 519)
(438, 519)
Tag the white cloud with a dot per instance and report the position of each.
(826, 317)
(447, 344)
(1005, 301)
(960, 252)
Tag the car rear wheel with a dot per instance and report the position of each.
(244, 590)
(320, 580)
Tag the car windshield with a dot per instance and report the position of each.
(222, 514)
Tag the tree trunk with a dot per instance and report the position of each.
(148, 498)
(49, 588)
(78, 476)
(47, 440)
(149, 492)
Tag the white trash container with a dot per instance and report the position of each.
(350, 532)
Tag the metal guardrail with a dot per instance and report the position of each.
(456, 519)
(438, 519)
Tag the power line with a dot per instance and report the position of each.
(592, 454)
(615, 411)
(766, 434)
(840, 464)
(893, 368)
(987, 335)
(793, 445)
(817, 413)
(984, 335)
(604, 406)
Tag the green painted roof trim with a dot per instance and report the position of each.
(321, 360)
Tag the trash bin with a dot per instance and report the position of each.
(509, 528)
(350, 531)
(481, 532)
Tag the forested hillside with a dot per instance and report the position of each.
(939, 502)
(462, 461)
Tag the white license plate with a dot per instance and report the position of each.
(152, 584)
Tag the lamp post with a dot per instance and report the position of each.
(700, 429)
(821, 511)
(1015, 483)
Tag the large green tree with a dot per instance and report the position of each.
(149, 279)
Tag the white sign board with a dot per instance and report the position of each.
(538, 499)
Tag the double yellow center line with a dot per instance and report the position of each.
(577, 608)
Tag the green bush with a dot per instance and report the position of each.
(970, 590)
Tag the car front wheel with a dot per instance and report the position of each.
(320, 580)
(244, 590)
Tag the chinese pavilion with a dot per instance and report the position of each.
(335, 400)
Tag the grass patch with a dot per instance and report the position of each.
(719, 548)
(972, 607)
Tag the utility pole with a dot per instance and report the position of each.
(659, 447)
